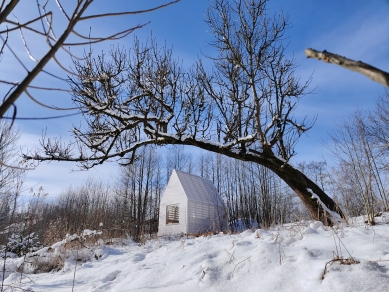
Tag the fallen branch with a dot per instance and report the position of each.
(373, 73)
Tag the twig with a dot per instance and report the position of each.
(203, 273)
(75, 268)
(128, 12)
(342, 244)
(231, 256)
(238, 264)
(348, 261)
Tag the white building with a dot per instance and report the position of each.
(190, 205)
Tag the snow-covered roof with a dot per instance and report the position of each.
(198, 188)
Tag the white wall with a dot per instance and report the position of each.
(174, 194)
(204, 217)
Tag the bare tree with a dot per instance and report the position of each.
(11, 172)
(254, 195)
(315, 170)
(346, 191)
(353, 146)
(379, 119)
(243, 108)
(56, 39)
(177, 158)
(12, 176)
(139, 189)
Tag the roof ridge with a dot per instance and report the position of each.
(176, 170)
(198, 188)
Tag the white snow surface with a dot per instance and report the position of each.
(287, 258)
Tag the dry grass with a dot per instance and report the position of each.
(343, 261)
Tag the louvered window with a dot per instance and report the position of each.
(172, 214)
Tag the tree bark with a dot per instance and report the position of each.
(304, 187)
(373, 73)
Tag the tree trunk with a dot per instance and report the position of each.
(305, 188)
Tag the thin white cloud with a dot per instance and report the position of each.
(363, 36)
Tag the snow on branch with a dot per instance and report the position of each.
(373, 73)
(334, 216)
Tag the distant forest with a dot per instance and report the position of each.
(129, 206)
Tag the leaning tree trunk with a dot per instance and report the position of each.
(319, 204)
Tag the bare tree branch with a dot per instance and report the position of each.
(128, 12)
(373, 73)
(8, 9)
(242, 108)
(55, 44)
(49, 55)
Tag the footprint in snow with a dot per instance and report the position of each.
(111, 276)
(139, 257)
(243, 243)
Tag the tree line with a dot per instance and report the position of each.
(240, 108)
(254, 196)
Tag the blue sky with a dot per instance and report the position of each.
(357, 29)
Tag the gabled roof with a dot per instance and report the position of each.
(198, 188)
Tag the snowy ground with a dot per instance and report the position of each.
(289, 258)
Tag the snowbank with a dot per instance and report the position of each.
(289, 258)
